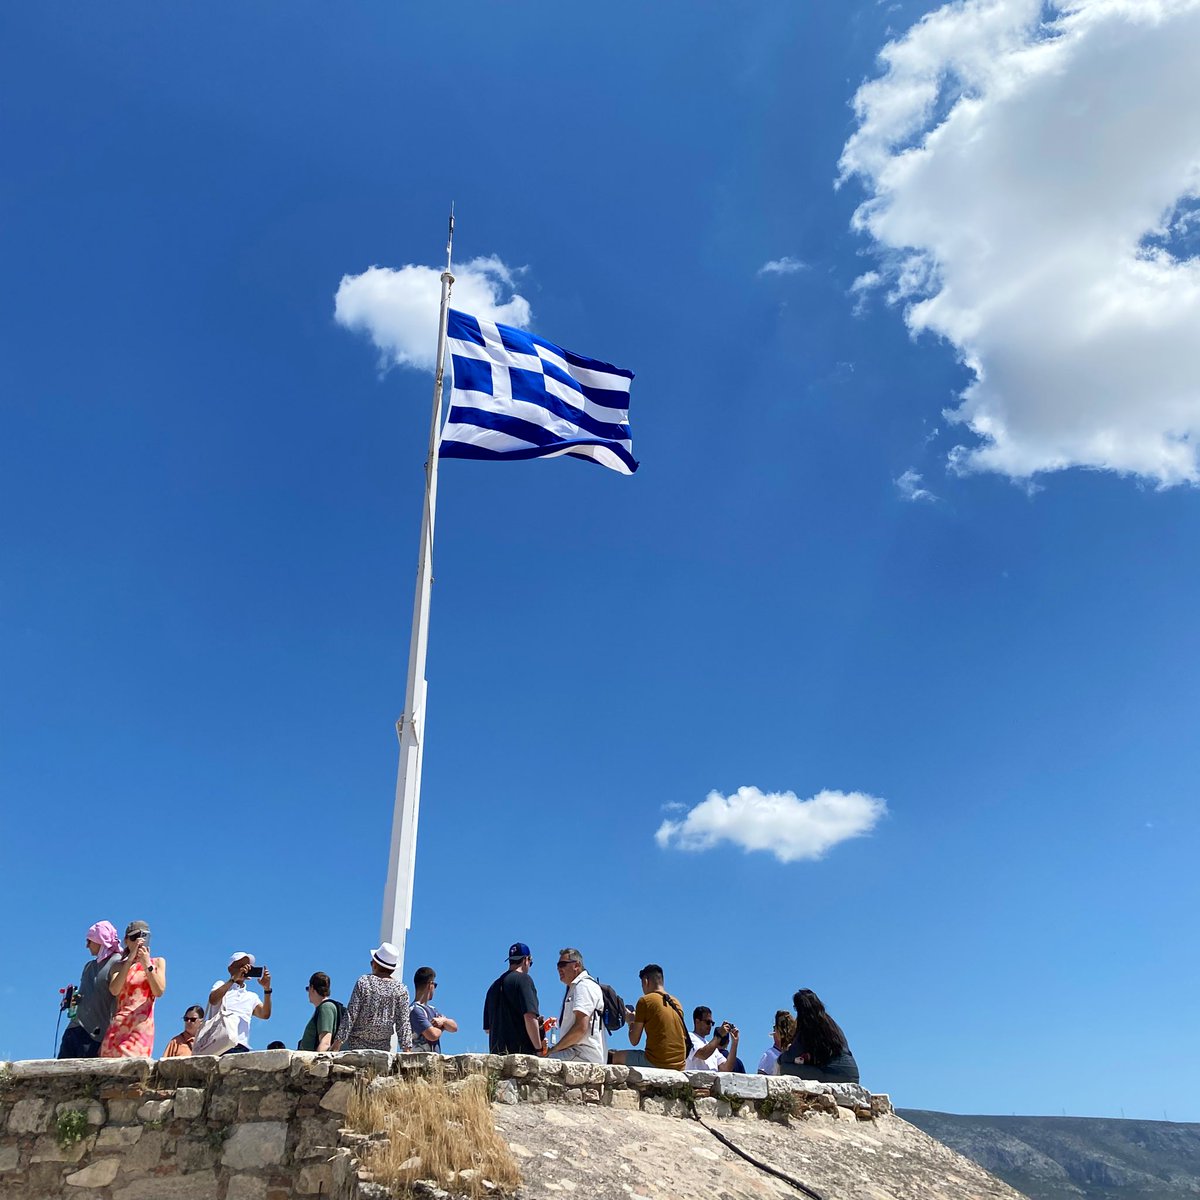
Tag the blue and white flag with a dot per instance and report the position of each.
(515, 395)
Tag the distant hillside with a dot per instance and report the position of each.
(1076, 1158)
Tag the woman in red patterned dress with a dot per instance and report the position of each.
(137, 981)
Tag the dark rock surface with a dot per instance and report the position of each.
(1076, 1158)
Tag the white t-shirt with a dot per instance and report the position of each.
(767, 1064)
(711, 1063)
(241, 1002)
(585, 996)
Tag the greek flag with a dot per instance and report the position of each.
(515, 395)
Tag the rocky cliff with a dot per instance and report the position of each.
(1076, 1158)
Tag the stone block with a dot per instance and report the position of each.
(247, 1108)
(703, 1079)
(192, 1155)
(506, 1091)
(744, 1087)
(247, 1187)
(155, 1110)
(534, 1093)
(317, 1138)
(199, 1186)
(146, 1153)
(308, 1064)
(850, 1095)
(581, 1074)
(276, 1105)
(545, 1068)
(189, 1103)
(420, 1062)
(710, 1107)
(123, 1112)
(10, 1157)
(92, 1109)
(313, 1179)
(194, 1071)
(655, 1105)
(255, 1060)
(118, 1137)
(257, 1144)
(95, 1175)
(615, 1075)
(30, 1115)
(881, 1106)
(656, 1079)
(47, 1149)
(573, 1095)
(337, 1099)
(518, 1066)
(624, 1098)
(379, 1061)
(787, 1085)
(98, 1070)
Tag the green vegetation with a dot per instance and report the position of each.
(72, 1125)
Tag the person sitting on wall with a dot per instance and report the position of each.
(581, 1033)
(660, 1016)
(819, 1049)
(719, 1052)
(180, 1046)
(781, 1038)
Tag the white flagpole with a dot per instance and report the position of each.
(397, 898)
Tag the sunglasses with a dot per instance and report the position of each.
(186, 1019)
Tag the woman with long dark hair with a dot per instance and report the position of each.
(819, 1050)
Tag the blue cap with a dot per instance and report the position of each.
(518, 950)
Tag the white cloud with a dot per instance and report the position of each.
(909, 486)
(1018, 154)
(783, 266)
(790, 828)
(398, 309)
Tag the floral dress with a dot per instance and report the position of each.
(131, 1034)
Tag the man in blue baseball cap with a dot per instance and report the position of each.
(510, 1011)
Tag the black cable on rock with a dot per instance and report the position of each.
(754, 1162)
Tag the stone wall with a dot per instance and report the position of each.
(268, 1125)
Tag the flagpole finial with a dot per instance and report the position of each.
(450, 236)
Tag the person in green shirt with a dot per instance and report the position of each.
(319, 1031)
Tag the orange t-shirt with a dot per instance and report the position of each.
(666, 1044)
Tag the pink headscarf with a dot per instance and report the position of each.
(110, 941)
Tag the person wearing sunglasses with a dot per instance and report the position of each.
(581, 1033)
(428, 1024)
(137, 981)
(180, 1046)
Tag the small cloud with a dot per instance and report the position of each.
(673, 806)
(792, 829)
(398, 308)
(783, 266)
(862, 288)
(909, 486)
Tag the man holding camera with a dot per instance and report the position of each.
(713, 1049)
(234, 999)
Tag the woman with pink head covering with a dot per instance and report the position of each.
(95, 1003)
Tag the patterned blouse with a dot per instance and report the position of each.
(377, 1007)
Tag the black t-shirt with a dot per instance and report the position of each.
(508, 1000)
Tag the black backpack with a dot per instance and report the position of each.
(613, 1016)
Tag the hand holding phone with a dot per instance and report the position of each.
(255, 973)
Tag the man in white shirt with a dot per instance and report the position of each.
(581, 1033)
(232, 997)
(712, 1049)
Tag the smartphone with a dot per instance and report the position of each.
(254, 973)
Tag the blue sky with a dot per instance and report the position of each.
(916, 518)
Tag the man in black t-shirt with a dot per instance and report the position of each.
(510, 1011)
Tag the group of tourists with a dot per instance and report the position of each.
(113, 1015)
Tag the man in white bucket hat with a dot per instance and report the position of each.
(378, 1007)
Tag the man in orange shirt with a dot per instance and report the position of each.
(660, 1016)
